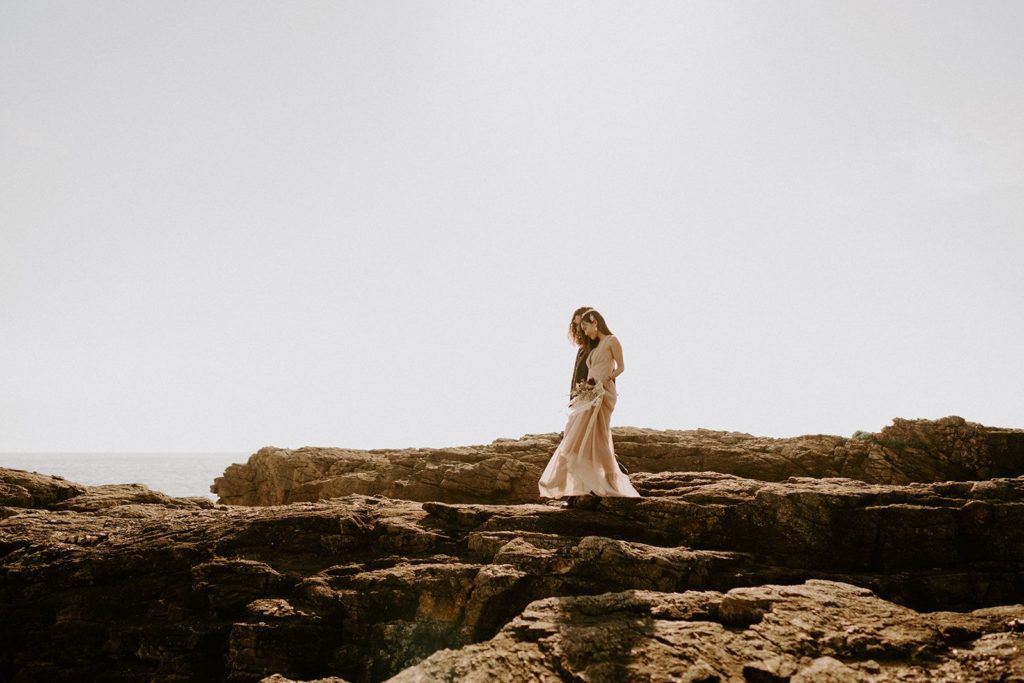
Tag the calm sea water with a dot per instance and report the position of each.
(176, 474)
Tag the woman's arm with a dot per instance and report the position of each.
(616, 349)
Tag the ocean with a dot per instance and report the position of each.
(176, 474)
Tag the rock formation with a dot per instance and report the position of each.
(506, 471)
(709, 576)
(801, 633)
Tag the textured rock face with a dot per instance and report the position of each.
(708, 577)
(28, 489)
(801, 633)
(506, 471)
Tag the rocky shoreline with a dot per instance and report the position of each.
(911, 571)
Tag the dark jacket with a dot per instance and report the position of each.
(581, 370)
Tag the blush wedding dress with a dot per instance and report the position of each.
(584, 461)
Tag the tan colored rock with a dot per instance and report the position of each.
(108, 496)
(19, 488)
(506, 471)
(815, 631)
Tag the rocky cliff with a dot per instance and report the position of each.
(710, 576)
(506, 471)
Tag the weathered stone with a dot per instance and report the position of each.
(109, 496)
(709, 576)
(816, 631)
(29, 489)
(362, 587)
(506, 471)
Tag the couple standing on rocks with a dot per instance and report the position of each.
(584, 462)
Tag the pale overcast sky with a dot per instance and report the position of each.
(225, 225)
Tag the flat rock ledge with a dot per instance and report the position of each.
(709, 577)
(21, 489)
(507, 470)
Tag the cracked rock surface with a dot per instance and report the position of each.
(709, 576)
(814, 631)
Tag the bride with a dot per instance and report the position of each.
(584, 462)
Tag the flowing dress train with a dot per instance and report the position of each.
(584, 462)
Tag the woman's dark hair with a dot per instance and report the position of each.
(576, 335)
(595, 317)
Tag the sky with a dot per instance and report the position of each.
(366, 224)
